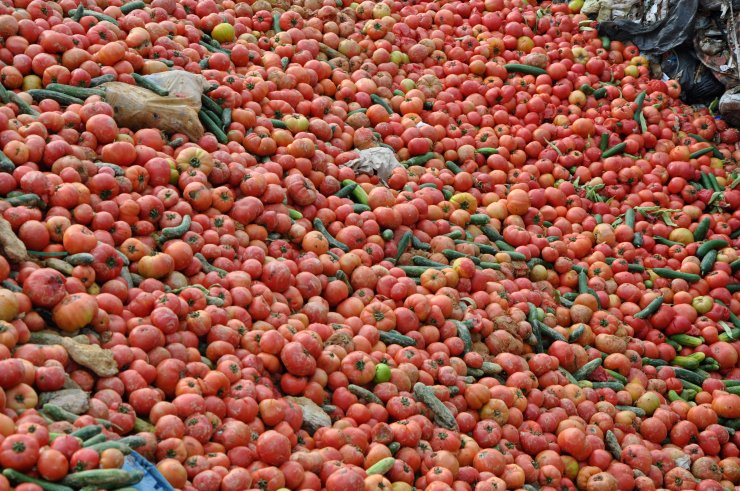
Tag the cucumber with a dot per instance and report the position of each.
(64, 99)
(638, 411)
(479, 219)
(491, 233)
(57, 413)
(617, 376)
(170, 233)
(701, 230)
(208, 267)
(103, 79)
(451, 255)
(671, 274)
(550, 332)
(599, 93)
(94, 440)
(442, 416)
(576, 334)
(710, 245)
(364, 394)
(145, 83)
(615, 150)
(463, 332)
(99, 16)
(525, 69)
(131, 6)
(689, 375)
(103, 478)
(487, 151)
(700, 152)
(87, 432)
(588, 368)
(485, 249)
(100, 447)
(403, 244)
(376, 99)
(211, 105)
(418, 244)
(346, 190)
(17, 477)
(395, 337)
(453, 167)
(615, 386)
(358, 192)
(707, 263)
(419, 159)
(319, 226)
(213, 127)
(422, 261)
(612, 444)
(381, 467)
(78, 92)
(686, 340)
(664, 241)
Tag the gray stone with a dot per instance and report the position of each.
(73, 400)
(313, 416)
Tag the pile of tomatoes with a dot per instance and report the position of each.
(544, 295)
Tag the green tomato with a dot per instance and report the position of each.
(702, 304)
(382, 373)
(575, 6)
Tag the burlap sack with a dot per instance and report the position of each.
(137, 108)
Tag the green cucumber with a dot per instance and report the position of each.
(671, 274)
(364, 394)
(78, 92)
(615, 386)
(403, 244)
(686, 340)
(18, 477)
(103, 79)
(701, 230)
(63, 99)
(639, 412)
(170, 233)
(442, 415)
(422, 261)
(94, 440)
(463, 332)
(103, 478)
(550, 332)
(395, 337)
(707, 263)
(376, 99)
(479, 219)
(80, 259)
(615, 150)
(709, 246)
(131, 6)
(576, 334)
(599, 93)
(381, 467)
(418, 244)
(453, 167)
(100, 17)
(700, 152)
(689, 375)
(346, 191)
(452, 254)
(212, 126)
(419, 159)
(617, 376)
(145, 83)
(87, 432)
(319, 226)
(525, 69)
(612, 445)
(487, 151)
(588, 368)
(100, 447)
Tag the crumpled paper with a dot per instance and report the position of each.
(729, 106)
(376, 161)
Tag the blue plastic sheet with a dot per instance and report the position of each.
(153, 479)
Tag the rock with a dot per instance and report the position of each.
(92, 356)
(313, 416)
(73, 400)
